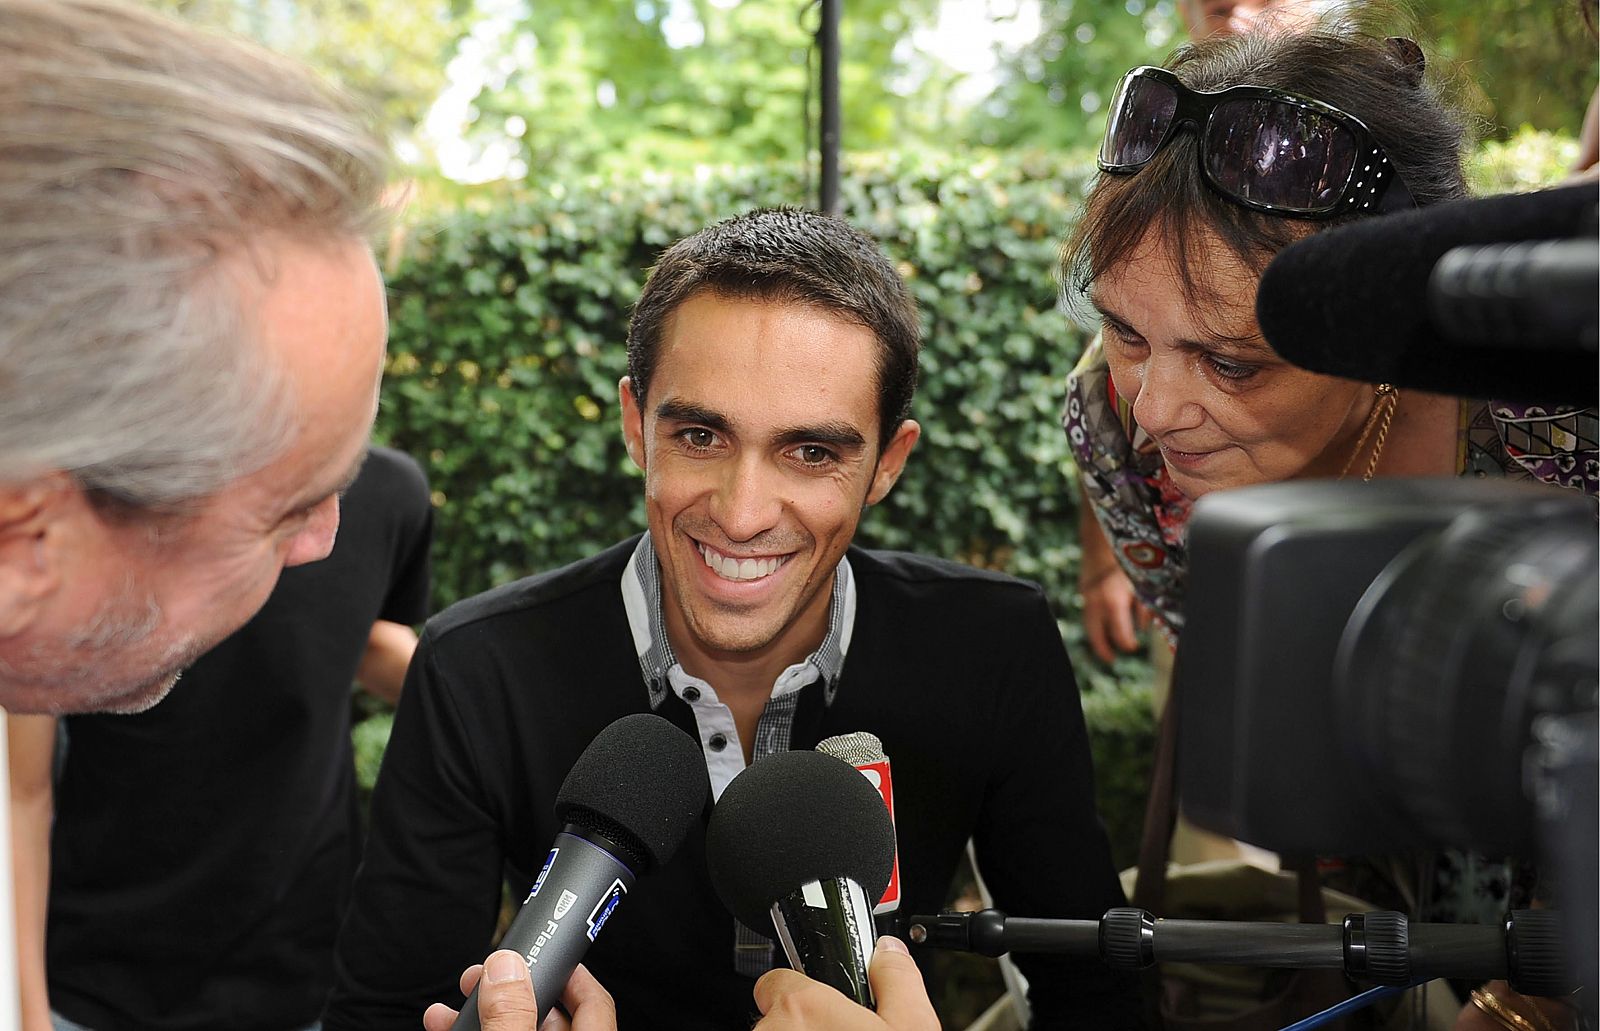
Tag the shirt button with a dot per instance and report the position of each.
(718, 742)
(691, 694)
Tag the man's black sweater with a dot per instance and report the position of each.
(960, 672)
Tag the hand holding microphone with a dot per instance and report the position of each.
(627, 803)
(790, 1001)
(801, 843)
(507, 1003)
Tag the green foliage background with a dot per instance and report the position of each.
(1508, 63)
(507, 341)
(572, 87)
(507, 337)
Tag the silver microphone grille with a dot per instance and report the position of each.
(855, 749)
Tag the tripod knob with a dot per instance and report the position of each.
(1127, 938)
(1534, 952)
(1377, 947)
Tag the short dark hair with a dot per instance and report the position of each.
(787, 255)
(1379, 81)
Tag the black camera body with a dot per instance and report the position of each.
(1370, 668)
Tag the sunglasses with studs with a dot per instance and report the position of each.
(1263, 148)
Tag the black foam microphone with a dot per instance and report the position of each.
(627, 803)
(1354, 301)
(800, 842)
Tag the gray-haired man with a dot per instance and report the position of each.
(191, 334)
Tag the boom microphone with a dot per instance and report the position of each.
(627, 803)
(802, 843)
(1362, 301)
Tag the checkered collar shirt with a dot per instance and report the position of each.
(719, 738)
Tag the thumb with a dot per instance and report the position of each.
(505, 994)
(898, 989)
(776, 985)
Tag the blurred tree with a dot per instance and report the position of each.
(550, 88)
(1519, 62)
(1510, 62)
(661, 83)
(392, 54)
(1054, 92)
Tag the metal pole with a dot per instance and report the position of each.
(828, 45)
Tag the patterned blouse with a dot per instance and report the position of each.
(1145, 518)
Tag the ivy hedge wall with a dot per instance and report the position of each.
(507, 341)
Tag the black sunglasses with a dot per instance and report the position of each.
(1263, 148)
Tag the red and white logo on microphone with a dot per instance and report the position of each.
(865, 752)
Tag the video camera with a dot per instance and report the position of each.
(1372, 668)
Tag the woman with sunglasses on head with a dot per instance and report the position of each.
(1211, 166)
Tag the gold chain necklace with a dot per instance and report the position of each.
(1382, 414)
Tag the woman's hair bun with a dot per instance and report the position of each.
(1410, 58)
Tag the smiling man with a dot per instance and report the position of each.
(191, 333)
(772, 360)
(192, 328)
